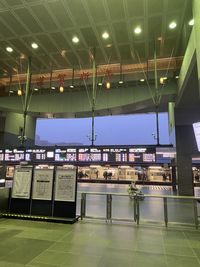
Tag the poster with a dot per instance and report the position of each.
(65, 185)
(22, 183)
(42, 184)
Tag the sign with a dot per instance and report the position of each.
(22, 183)
(65, 185)
(196, 127)
(42, 184)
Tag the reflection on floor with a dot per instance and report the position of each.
(85, 244)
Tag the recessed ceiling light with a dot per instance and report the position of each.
(172, 25)
(121, 82)
(177, 77)
(137, 30)
(100, 84)
(9, 49)
(36, 89)
(105, 35)
(191, 22)
(71, 86)
(75, 39)
(11, 91)
(53, 87)
(142, 80)
(34, 45)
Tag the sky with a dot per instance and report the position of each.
(109, 130)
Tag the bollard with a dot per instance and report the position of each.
(109, 208)
(83, 205)
(165, 211)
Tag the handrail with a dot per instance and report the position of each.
(136, 206)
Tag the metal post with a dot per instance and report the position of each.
(28, 83)
(165, 211)
(135, 209)
(196, 221)
(83, 205)
(109, 207)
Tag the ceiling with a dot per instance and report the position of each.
(53, 23)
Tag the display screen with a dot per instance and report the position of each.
(65, 155)
(14, 155)
(140, 155)
(196, 127)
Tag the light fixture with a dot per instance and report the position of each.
(177, 77)
(100, 84)
(61, 89)
(142, 80)
(11, 91)
(72, 84)
(75, 39)
(191, 22)
(53, 87)
(107, 85)
(105, 35)
(9, 49)
(162, 80)
(36, 89)
(120, 77)
(172, 25)
(137, 30)
(19, 92)
(34, 45)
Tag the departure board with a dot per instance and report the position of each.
(13, 155)
(142, 155)
(65, 155)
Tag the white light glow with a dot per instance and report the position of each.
(9, 49)
(137, 30)
(105, 35)
(75, 39)
(34, 45)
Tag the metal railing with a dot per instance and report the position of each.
(136, 206)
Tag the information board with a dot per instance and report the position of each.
(196, 127)
(65, 185)
(22, 183)
(42, 184)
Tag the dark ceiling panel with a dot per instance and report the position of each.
(4, 31)
(155, 6)
(121, 32)
(60, 14)
(125, 52)
(43, 16)
(116, 9)
(13, 23)
(60, 41)
(13, 2)
(155, 27)
(28, 20)
(89, 37)
(46, 42)
(135, 8)
(97, 10)
(78, 12)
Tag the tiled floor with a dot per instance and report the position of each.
(95, 244)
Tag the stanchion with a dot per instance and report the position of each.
(109, 208)
(83, 205)
(165, 211)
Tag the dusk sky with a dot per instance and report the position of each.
(110, 130)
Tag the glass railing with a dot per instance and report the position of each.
(165, 209)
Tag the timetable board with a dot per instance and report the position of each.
(22, 183)
(42, 184)
(65, 185)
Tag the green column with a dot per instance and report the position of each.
(14, 124)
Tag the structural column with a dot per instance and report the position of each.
(14, 128)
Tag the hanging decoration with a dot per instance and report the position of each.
(61, 82)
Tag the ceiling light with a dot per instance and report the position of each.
(53, 87)
(105, 35)
(61, 89)
(19, 92)
(191, 22)
(172, 25)
(108, 85)
(177, 77)
(71, 86)
(142, 80)
(75, 39)
(34, 45)
(100, 84)
(137, 30)
(121, 82)
(11, 91)
(162, 80)
(36, 89)
(9, 49)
